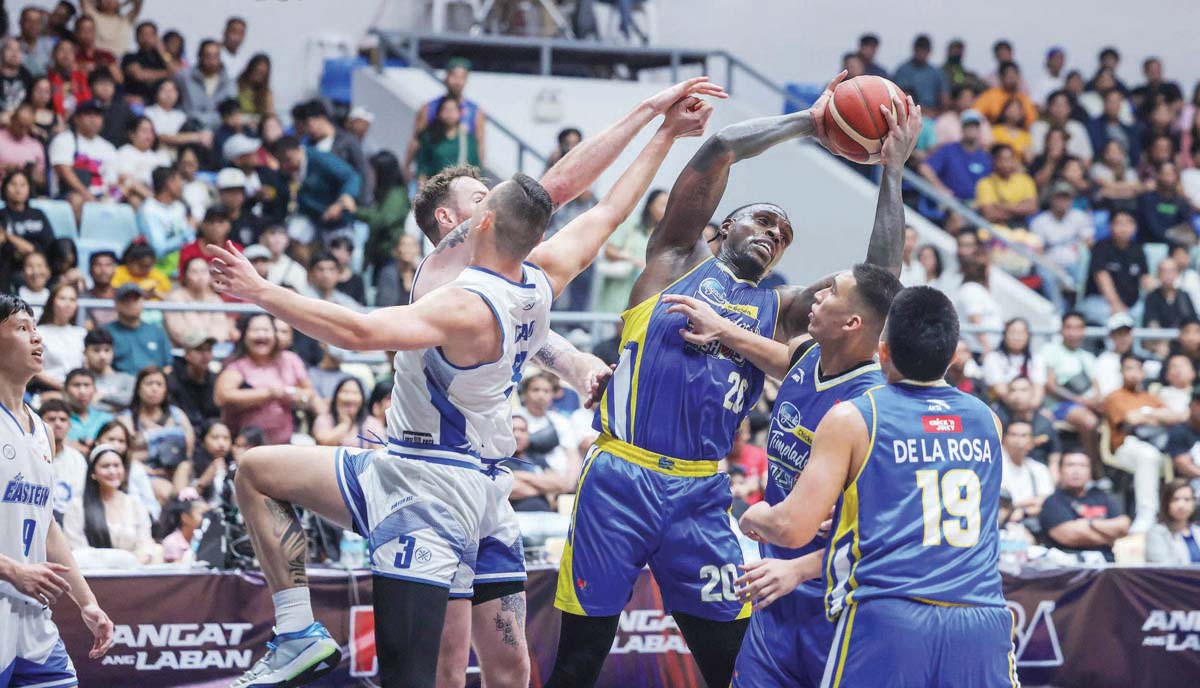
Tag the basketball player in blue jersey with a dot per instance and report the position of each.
(424, 500)
(914, 467)
(36, 564)
(649, 492)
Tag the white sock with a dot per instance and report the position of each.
(293, 610)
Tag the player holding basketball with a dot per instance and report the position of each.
(649, 491)
(36, 564)
(424, 500)
(488, 611)
(788, 639)
(911, 569)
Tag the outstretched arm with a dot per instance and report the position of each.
(447, 317)
(579, 169)
(575, 246)
(840, 435)
(706, 325)
(585, 373)
(886, 244)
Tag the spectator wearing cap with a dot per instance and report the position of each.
(163, 219)
(1166, 306)
(956, 168)
(137, 267)
(1007, 196)
(213, 230)
(260, 257)
(254, 88)
(1108, 362)
(102, 267)
(233, 121)
(324, 136)
(1117, 272)
(231, 188)
(114, 389)
(327, 187)
(471, 116)
(323, 275)
(1079, 519)
(1064, 231)
(36, 49)
(955, 73)
(1155, 89)
(136, 343)
(68, 84)
(86, 418)
(267, 193)
(1052, 77)
(281, 268)
(195, 288)
(921, 79)
(83, 162)
(137, 160)
(992, 101)
(1058, 114)
(1138, 423)
(1164, 214)
(117, 115)
(868, 46)
(358, 123)
(205, 85)
(146, 67)
(88, 57)
(191, 381)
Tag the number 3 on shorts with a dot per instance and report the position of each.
(723, 576)
(405, 555)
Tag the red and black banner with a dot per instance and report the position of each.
(1098, 628)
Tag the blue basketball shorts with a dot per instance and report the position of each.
(627, 516)
(787, 643)
(915, 644)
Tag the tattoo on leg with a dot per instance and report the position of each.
(505, 628)
(293, 544)
(516, 604)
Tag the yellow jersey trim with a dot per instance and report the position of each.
(848, 522)
(938, 603)
(655, 462)
(845, 650)
(822, 385)
(565, 597)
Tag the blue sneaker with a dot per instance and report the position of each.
(293, 659)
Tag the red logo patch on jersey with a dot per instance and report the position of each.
(942, 423)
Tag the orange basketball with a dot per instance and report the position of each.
(854, 124)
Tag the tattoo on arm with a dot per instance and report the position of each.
(454, 238)
(886, 245)
(286, 528)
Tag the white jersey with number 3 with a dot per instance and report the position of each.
(439, 408)
(27, 481)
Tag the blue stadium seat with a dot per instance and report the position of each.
(61, 216)
(108, 224)
(336, 77)
(1100, 221)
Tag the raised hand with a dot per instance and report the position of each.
(904, 128)
(818, 108)
(699, 86)
(705, 324)
(687, 117)
(232, 273)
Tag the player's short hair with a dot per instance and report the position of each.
(922, 333)
(874, 288)
(522, 210)
(11, 304)
(52, 406)
(741, 209)
(433, 194)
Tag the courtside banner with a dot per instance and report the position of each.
(1097, 628)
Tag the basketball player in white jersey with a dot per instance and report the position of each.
(424, 500)
(36, 565)
(487, 613)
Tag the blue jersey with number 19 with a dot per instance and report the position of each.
(919, 519)
(676, 400)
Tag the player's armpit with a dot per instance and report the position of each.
(839, 442)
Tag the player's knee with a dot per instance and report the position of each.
(451, 675)
(511, 673)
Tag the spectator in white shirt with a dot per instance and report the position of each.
(70, 468)
(232, 55)
(1028, 481)
(931, 260)
(1071, 381)
(137, 160)
(1058, 114)
(912, 273)
(537, 392)
(83, 162)
(1012, 359)
(1052, 76)
(1065, 232)
(281, 269)
(976, 305)
(1179, 377)
(168, 119)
